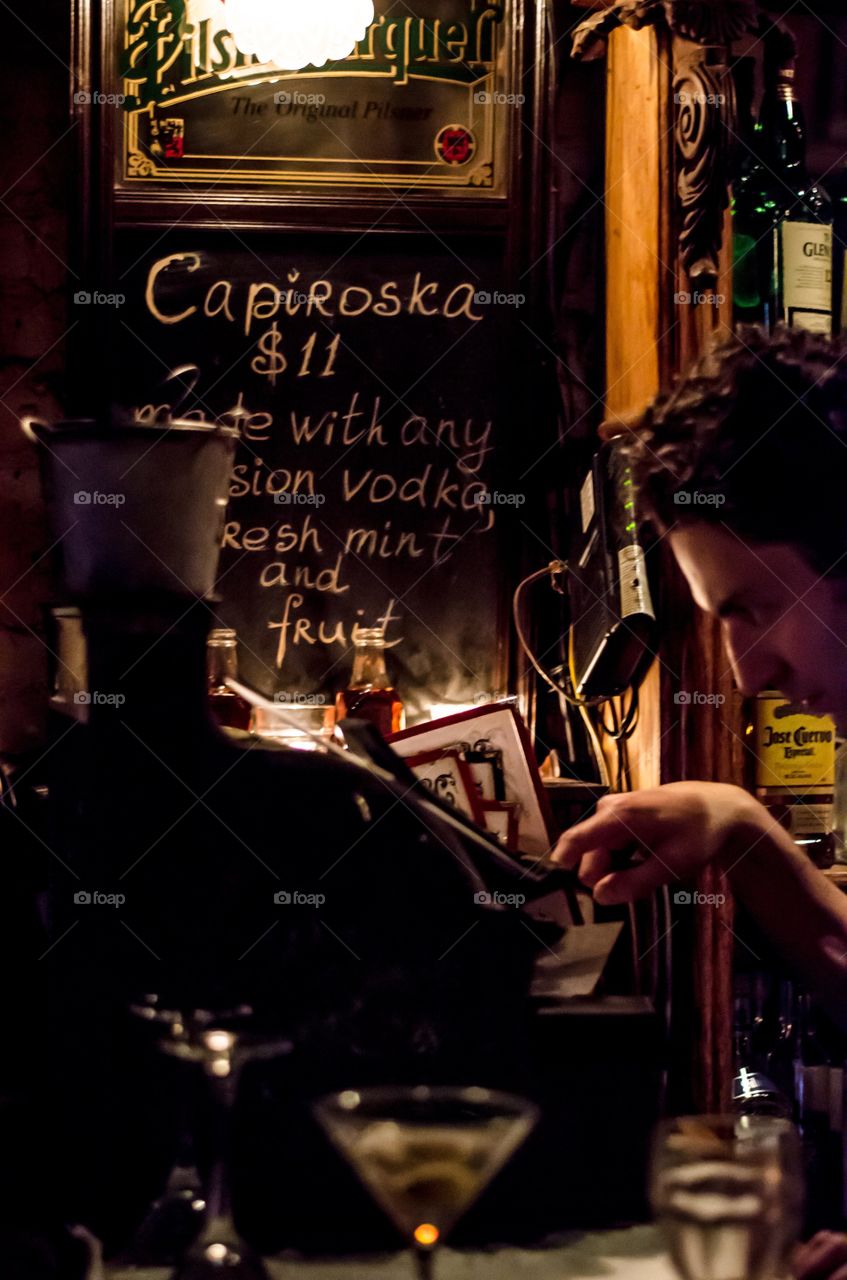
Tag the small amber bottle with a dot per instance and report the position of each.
(370, 694)
(229, 709)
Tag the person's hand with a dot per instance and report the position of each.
(677, 829)
(824, 1257)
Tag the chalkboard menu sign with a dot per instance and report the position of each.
(294, 250)
(368, 377)
(424, 102)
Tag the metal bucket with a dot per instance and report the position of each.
(135, 508)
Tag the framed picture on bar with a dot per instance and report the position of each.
(495, 729)
(446, 775)
(501, 819)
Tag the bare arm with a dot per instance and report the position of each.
(802, 911)
(680, 828)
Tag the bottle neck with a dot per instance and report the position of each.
(742, 1038)
(741, 1029)
(787, 1012)
(784, 133)
(221, 661)
(369, 669)
(748, 137)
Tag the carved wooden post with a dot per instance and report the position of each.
(704, 100)
(692, 292)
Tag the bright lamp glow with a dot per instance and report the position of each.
(298, 33)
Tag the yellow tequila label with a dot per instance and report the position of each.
(795, 750)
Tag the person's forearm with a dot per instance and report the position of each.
(802, 911)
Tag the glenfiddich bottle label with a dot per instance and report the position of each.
(807, 275)
(795, 750)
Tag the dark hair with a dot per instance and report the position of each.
(754, 437)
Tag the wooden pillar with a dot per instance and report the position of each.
(639, 269)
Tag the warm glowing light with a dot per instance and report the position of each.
(292, 34)
(438, 710)
(426, 1234)
(217, 1253)
(219, 1041)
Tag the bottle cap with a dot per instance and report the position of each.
(221, 636)
(368, 636)
(785, 82)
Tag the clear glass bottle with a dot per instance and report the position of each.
(818, 1078)
(229, 709)
(811, 1075)
(370, 695)
(780, 1061)
(753, 1092)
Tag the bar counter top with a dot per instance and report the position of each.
(632, 1254)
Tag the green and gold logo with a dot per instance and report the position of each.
(178, 49)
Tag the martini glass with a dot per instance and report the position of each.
(425, 1154)
(221, 1042)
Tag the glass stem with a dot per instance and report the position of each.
(219, 1220)
(425, 1260)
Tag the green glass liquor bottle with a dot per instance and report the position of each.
(754, 212)
(802, 236)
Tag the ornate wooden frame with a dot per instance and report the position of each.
(94, 33)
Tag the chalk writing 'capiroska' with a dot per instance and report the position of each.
(243, 303)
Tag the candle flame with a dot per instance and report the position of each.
(426, 1234)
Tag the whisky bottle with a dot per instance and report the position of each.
(229, 709)
(370, 695)
(793, 753)
(802, 233)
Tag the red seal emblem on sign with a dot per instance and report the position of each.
(168, 137)
(454, 144)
